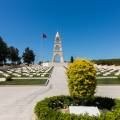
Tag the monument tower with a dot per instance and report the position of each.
(57, 49)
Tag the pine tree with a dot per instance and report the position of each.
(28, 56)
(3, 51)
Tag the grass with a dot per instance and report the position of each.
(25, 82)
(108, 81)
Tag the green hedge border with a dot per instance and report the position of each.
(48, 109)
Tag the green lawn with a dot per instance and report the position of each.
(108, 81)
(25, 82)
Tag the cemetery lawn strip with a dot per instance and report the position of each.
(25, 82)
(108, 81)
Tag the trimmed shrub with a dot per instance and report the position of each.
(49, 108)
(81, 78)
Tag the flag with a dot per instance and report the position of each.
(44, 36)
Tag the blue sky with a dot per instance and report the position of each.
(88, 28)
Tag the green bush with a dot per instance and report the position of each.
(49, 109)
(81, 78)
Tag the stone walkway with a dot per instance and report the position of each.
(112, 91)
(17, 102)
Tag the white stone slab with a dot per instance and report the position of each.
(45, 64)
(1, 72)
(83, 110)
(2, 79)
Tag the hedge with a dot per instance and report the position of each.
(81, 78)
(49, 108)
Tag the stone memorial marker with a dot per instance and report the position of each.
(92, 111)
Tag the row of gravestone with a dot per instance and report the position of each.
(30, 71)
(105, 70)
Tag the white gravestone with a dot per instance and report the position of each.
(91, 111)
(2, 79)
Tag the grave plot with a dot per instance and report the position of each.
(30, 73)
(108, 74)
(107, 71)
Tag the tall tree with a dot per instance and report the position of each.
(28, 56)
(3, 51)
(71, 59)
(13, 54)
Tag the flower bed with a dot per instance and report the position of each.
(51, 108)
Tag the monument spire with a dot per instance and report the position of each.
(57, 34)
(57, 49)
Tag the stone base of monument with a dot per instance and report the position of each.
(91, 111)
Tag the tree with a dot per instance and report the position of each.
(115, 61)
(81, 78)
(3, 51)
(13, 54)
(28, 56)
(71, 59)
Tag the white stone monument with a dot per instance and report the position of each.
(57, 50)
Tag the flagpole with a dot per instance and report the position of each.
(42, 44)
(41, 39)
(42, 51)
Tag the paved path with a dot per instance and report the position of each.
(17, 102)
(109, 91)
